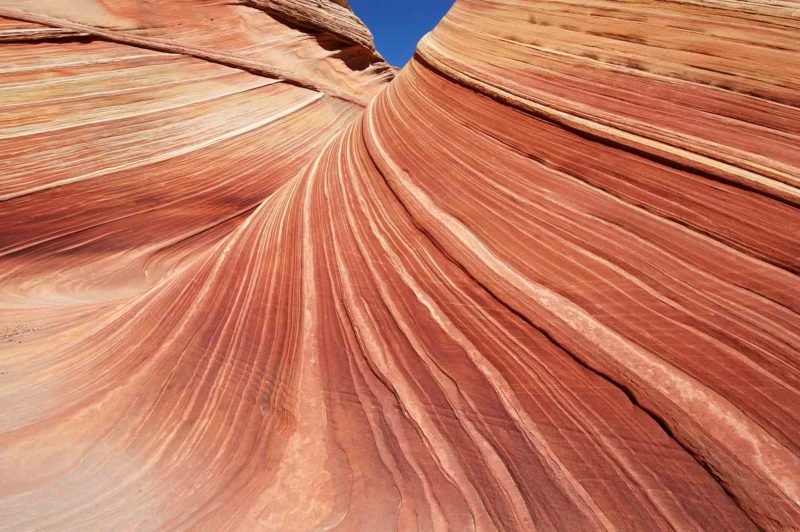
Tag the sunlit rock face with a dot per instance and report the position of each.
(545, 278)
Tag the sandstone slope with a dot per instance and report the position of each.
(546, 278)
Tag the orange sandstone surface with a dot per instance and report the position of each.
(544, 277)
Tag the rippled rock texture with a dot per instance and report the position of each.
(544, 278)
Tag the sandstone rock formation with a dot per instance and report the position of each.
(544, 278)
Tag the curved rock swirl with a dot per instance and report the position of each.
(547, 278)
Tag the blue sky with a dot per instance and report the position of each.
(398, 25)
